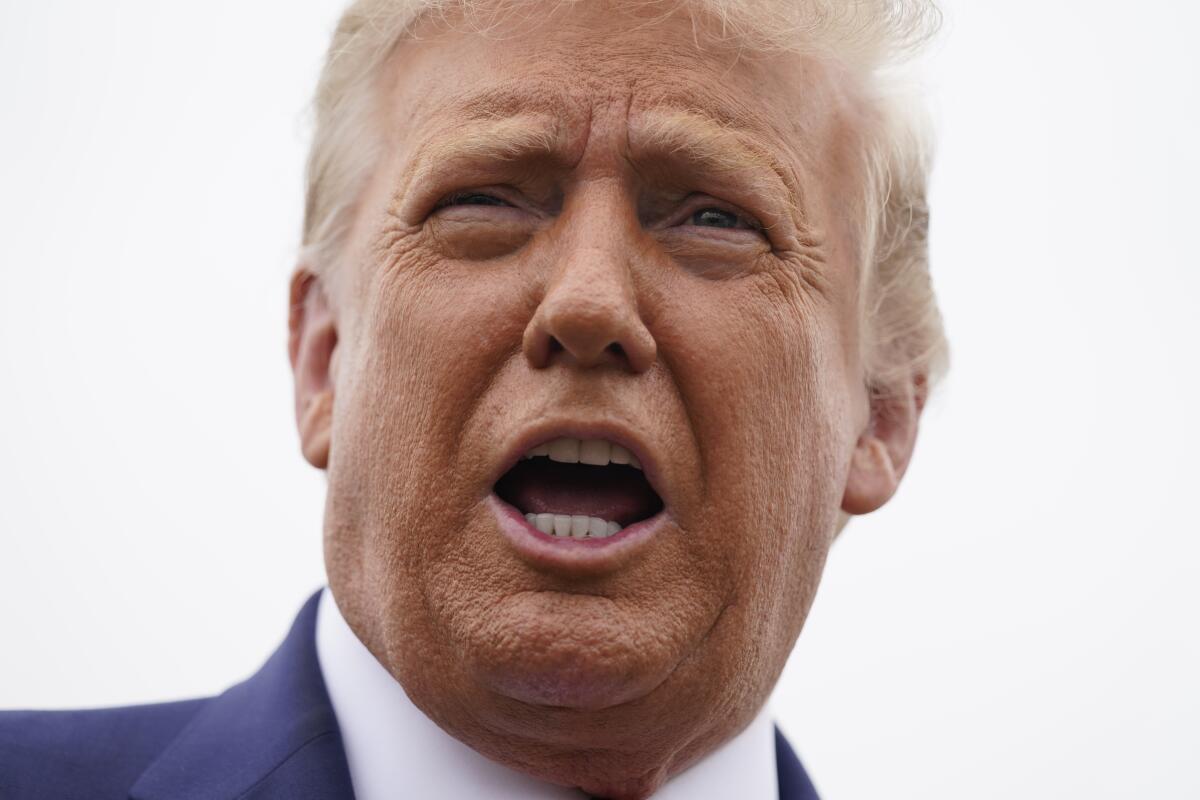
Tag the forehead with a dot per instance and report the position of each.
(590, 63)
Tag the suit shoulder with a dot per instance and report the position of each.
(94, 754)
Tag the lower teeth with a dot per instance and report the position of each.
(567, 526)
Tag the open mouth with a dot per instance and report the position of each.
(579, 489)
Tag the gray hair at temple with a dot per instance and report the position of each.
(901, 338)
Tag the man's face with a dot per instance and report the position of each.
(594, 230)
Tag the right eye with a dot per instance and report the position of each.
(470, 199)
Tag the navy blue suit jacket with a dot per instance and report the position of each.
(272, 736)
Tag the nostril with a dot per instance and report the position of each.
(584, 346)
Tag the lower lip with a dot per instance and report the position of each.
(568, 554)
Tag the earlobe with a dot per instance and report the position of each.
(884, 449)
(312, 348)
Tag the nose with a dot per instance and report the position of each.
(589, 316)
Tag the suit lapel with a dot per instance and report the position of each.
(794, 783)
(272, 736)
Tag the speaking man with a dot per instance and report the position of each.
(609, 315)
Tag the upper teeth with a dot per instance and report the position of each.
(596, 452)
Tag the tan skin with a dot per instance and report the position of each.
(581, 278)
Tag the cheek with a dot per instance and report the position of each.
(435, 334)
(763, 371)
(761, 365)
(428, 341)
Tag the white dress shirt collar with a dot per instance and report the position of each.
(394, 750)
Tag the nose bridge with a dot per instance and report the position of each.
(592, 276)
(589, 313)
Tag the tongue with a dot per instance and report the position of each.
(616, 493)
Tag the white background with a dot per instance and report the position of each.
(1020, 622)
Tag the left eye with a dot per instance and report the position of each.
(715, 218)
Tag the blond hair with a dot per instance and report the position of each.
(901, 336)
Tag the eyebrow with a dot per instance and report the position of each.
(712, 146)
(512, 139)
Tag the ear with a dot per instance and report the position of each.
(884, 448)
(312, 345)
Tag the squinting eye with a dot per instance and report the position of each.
(714, 218)
(471, 199)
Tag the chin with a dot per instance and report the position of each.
(569, 651)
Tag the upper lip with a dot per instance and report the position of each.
(614, 432)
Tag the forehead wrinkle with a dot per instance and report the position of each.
(716, 147)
